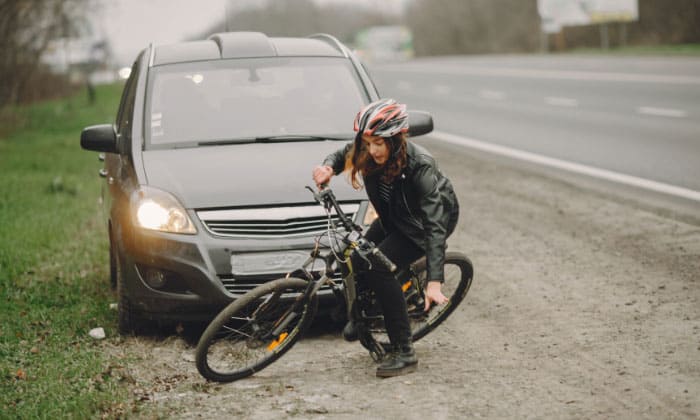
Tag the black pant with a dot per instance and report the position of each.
(402, 252)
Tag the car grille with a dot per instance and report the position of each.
(241, 285)
(271, 222)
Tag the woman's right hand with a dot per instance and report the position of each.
(322, 175)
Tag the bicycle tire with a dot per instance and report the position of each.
(459, 273)
(240, 342)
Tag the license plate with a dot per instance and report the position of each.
(276, 262)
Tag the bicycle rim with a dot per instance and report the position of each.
(254, 331)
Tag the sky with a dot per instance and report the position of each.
(130, 25)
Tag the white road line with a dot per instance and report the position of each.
(662, 112)
(566, 102)
(404, 85)
(568, 166)
(441, 89)
(548, 74)
(492, 94)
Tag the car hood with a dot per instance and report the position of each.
(254, 174)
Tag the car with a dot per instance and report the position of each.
(206, 165)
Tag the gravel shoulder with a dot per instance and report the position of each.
(583, 305)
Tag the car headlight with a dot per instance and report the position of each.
(158, 210)
(370, 215)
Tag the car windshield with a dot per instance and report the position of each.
(247, 99)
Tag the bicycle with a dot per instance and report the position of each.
(262, 325)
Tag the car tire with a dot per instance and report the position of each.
(112, 265)
(126, 317)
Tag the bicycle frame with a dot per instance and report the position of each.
(347, 295)
(355, 246)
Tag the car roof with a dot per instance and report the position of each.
(246, 45)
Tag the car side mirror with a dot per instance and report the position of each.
(419, 123)
(99, 138)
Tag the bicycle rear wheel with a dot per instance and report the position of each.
(459, 273)
(458, 279)
(254, 330)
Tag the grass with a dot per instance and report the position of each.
(54, 285)
(692, 50)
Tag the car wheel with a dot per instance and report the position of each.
(112, 265)
(127, 318)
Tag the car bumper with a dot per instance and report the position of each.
(196, 271)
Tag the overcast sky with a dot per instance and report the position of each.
(130, 25)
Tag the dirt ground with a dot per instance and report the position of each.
(584, 305)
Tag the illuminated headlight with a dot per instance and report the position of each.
(158, 210)
(370, 215)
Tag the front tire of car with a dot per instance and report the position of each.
(126, 316)
(112, 264)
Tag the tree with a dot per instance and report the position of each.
(303, 17)
(660, 22)
(26, 28)
(473, 26)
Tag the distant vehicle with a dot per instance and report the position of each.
(206, 165)
(384, 43)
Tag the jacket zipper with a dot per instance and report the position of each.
(405, 202)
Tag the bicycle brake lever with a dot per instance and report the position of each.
(320, 196)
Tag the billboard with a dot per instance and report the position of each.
(558, 13)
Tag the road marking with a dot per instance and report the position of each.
(492, 94)
(662, 112)
(404, 85)
(566, 102)
(545, 74)
(568, 166)
(441, 89)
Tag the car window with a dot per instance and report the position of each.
(226, 99)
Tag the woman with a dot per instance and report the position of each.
(417, 211)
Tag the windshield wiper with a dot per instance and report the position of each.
(238, 140)
(271, 139)
(298, 137)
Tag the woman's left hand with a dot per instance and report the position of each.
(433, 294)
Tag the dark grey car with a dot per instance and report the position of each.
(206, 165)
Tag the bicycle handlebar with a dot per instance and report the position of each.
(383, 259)
(326, 198)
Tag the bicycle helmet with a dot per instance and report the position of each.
(384, 118)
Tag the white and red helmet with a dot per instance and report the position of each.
(384, 118)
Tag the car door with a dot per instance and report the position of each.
(117, 165)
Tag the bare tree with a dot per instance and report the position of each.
(26, 28)
(473, 26)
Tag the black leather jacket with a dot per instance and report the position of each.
(423, 205)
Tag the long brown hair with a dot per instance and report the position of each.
(359, 161)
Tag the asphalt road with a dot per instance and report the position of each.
(630, 115)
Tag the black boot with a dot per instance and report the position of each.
(400, 361)
(350, 332)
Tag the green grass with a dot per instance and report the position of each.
(54, 284)
(692, 50)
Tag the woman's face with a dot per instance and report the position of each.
(377, 148)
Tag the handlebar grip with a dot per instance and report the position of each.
(383, 259)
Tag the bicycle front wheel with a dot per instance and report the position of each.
(254, 330)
